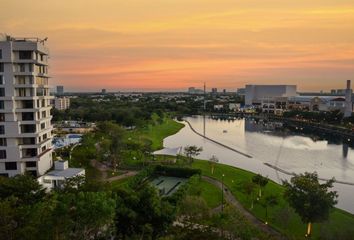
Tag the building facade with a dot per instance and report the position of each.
(61, 103)
(25, 118)
(256, 94)
(60, 90)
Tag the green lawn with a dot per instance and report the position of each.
(120, 183)
(156, 132)
(340, 221)
(210, 193)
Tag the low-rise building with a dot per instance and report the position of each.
(61, 173)
(218, 107)
(234, 107)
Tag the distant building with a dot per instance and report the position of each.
(103, 91)
(218, 107)
(60, 90)
(256, 94)
(214, 90)
(241, 91)
(193, 90)
(348, 100)
(224, 91)
(234, 106)
(60, 174)
(62, 103)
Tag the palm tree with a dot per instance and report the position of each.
(213, 160)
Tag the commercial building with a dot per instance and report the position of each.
(61, 103)
(25, 118)
(193, 90)
(60, 90)
(241, 92)
(255, 94)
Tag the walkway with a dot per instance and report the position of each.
(219, 143)
(232, 200)
(103, 169)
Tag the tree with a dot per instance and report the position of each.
(213, 160)
(248, 188)
(26, 189)
(86, 215)
(142, 214)
(261, 182)
(192, 151)
(269, 201)
(310, 199)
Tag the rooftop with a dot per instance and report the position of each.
(67, 173)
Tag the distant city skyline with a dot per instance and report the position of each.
(172, 45)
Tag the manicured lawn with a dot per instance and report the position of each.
(120, 183)
(339, 222)
(156, 132)
(210, 193)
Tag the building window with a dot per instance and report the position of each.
(2, 92)
(2, 80)
(2, 117)
(31, 164)
(0, 53)
(27, 104)
(27, 141)
(11, 165)
(42, 126)
(28, 128)
(25, 55)
(2, 129)
(1, 67)
(2, 104)
(48, 181)
(29, 152)
(2, 154)
(3, 142)
(22, 67)
(27, 116)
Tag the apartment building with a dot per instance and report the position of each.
(25, 119)
(62, 103)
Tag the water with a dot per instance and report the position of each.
(288, 151)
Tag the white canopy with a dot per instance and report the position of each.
(169, 151)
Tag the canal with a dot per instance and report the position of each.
(272, 151)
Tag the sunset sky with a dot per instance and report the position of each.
(173, 44)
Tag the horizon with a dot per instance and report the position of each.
(170, 46)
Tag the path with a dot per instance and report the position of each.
(232, 200)
(103, 169)
(219, 143)
(125, 175)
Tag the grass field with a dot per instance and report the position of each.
(210, 193)
(156, 131)
(340, 222)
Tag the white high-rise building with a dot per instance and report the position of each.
(25, 119)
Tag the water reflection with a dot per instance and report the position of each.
(294, 150)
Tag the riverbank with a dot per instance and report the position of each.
(281, 217)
